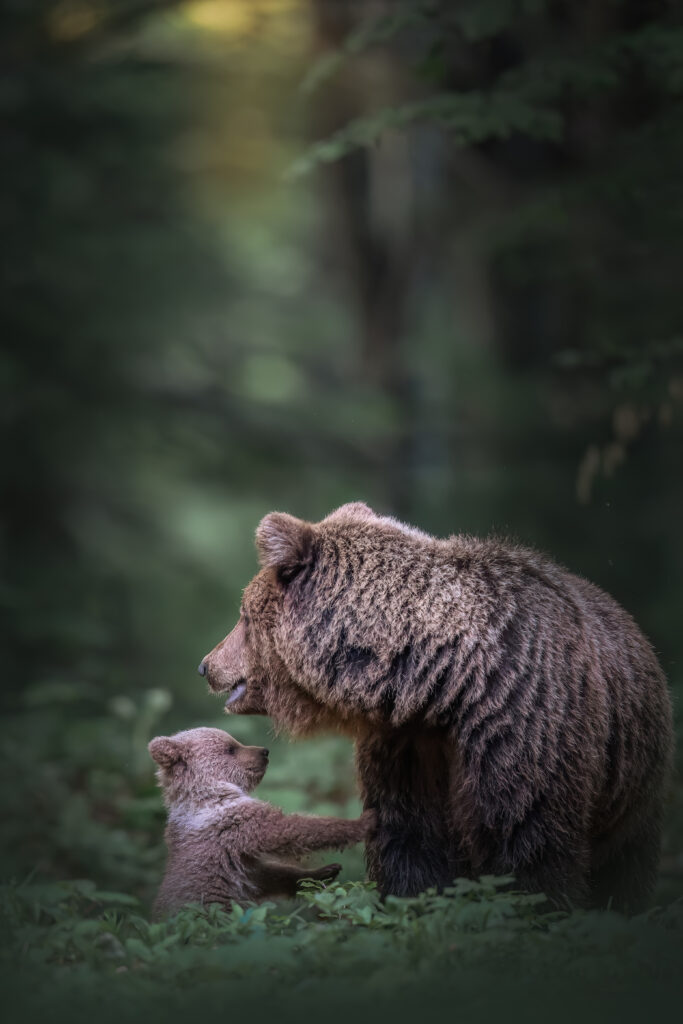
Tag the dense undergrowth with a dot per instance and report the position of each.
(471, 946)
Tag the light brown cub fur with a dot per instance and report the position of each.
(222, 843)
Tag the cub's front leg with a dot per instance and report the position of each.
(298, 834)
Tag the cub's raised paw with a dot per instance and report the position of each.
(327, 873)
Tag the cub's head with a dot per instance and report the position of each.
(199, 764)
(324, 621)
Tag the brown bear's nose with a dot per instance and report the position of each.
(202, 668)
(265, 752)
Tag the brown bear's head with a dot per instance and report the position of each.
(324, 622)
(201, 764)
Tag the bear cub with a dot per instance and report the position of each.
(223, 844)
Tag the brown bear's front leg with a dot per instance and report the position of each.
(404, 778)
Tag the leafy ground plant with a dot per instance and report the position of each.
(471, 944)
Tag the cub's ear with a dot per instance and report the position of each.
(165, 751)
(284, 543)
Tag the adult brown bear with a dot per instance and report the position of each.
(509, 717)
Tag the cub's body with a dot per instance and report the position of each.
(224, 845)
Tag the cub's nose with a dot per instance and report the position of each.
(265, 752)
(202, 667)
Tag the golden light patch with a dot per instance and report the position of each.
(72, 19)
(234, 17)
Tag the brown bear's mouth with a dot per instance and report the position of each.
(238, 690)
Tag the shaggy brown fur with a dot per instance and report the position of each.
(222, 843)
(509, 716)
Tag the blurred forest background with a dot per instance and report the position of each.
(282, 254)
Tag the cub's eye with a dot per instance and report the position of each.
(232, 751)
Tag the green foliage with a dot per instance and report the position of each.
(372, 32)
(335, 936)
(475, 20)
(530, 100)
(471, 117)
(83, 794)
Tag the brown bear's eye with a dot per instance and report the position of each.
(232, 750)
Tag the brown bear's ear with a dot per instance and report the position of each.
(165, 751)
(284, 543)
(355, 510)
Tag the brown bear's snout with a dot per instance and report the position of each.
(226, 671)
(224, 667)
